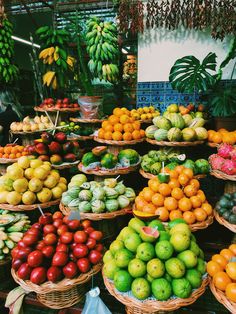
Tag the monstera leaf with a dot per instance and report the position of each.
(222, 100)
(188, 74)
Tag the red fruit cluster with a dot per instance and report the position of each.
(58, 104)
(55, 148)
(55, 248)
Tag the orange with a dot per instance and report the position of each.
(213, 268)
(196, 201)
(227, 254)
(124, 119)
(127, 136)
(163, 213)
(158, 199)
(20, 148)
(174, 183)
(142, 133)
(117, 112)
(1, 155)
(108, 135)
(117, 136)
(109, 128)
(183, 179)
(136, 135)
(136, 125)
(113, 119)
(24, 153)
(195, 183)
(230, 291)
(201, 194)
(179, 168)
(118, 127)
(210, 135)
(190, 190)
(141, 194)
(208, 208)
(174, 214)
(170, 203)
(221, 280)
(14, 150)
(228, 138)
(12, 156)
(105, 124)
(154, 184)
(185, 204)
(231, 270)
(189, 217)
(101, 133)
(18, 155)
(1, 149)
(125, 111)
(177, 193)
(164, 189)
(188, 172)
(173, 174)
(220, 260)
(148, 194)
(200, 214)
(128, 127)
(149, 208)
(140, 203)
(5, 156)
(7, 149)
(232, 248)
(217, 138)
(222, 130)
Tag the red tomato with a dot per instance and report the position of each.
(35, 258)
(24, 271)
(70, 270)
(59, 259)
(80, 250)
(86, 223)
(50, 239)
(57, 222)
(54, 274)
(66, 237)
(83, 265)
(49, 229)
(48, 251)
(38, 275)
(57, 215)
(91, 243)
(62, 229)
(73, 224)
(95, 256)
(62, 248)
(80, 237)
(97, 235)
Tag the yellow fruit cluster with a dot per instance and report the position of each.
(145, 113)
(121, 126)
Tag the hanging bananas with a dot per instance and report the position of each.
(8, 71)
(102, 47)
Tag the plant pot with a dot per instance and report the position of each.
(90, 107)
(227, 123)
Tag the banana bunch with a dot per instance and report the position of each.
(102, 47)
(50, 79)
(11, 234)
(8, 71)
(50, 36)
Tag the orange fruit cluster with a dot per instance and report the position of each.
(222, 269)
(12, 151)
(121, 126)
(222, 136)
(181, 197)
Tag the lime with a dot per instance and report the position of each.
(181, 288)
(122, 281)
(141, 288)
(176, 221)
(157, 224)
(161, 289)
(164, 250)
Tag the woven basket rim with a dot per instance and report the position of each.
(166, 143)
(30, 132)
(118, 143)
(149, 175)
(221, 298)
(83, 120)
(62, 285)
(108, 172)
(8, 160)
(28, 207)
(55, 109)
(95, 217)
(80, 138)
(66, 165)
(221, 175)
(224, 222)
(154, 305)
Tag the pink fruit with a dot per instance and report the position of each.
(60, 137)
(216, 161)
(41, 149)
(54, 148)
(229, 167)
(233, 154)
(224, 150)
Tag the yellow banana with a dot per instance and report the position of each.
(54, 83)
(51, 51)
(48, 77)
(56, 55)
(44, 53)
(50, 59)
(70, 61)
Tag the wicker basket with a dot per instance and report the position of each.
(91, 216)
(212, 144)
(166, 143)
(135, 306)
(230, 187)
(118, 143)
(80, 138)
(19, 208)
(66, 165)
(82, 120)
(220, 296)
(108, 172)
(8, 160)
(221, 175)
(224, 222)
(56, 109)
(149, 176)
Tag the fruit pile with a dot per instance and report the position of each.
(29, 182)
(97, 197)
(195, 111)
(12, 151)
(99, 157)
(222, 136)
(12, 228)
(55, 248)
(121, 126)
(28, 124)
(222, 269)
(144, 113)
(72, 128)
(224, 160)
(154, 261)
(55, 148)
(226, 207)
(50, 103)
(174, 127)
(181, 197)
(152, 162)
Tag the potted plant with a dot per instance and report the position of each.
(189, 75)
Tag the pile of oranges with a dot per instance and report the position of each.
(181, 197)
(222, 269)
(222, 136)
(12, 151)
(121, 126)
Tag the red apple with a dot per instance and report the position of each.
(48, 251)
(95, 256)
(57, 223)
(60, 137)
(62, 248)
(59, 259)
(45, 219)
(54, 274)
(80, 250)
(38, 275)
(24, 271)
(49, 229)
(91, 243)
(74, 224)
(70, 270)
(35, 258)
(83, 265)
(46, 137)
(62, 229)
(41, 149)
(54, 147)
(80, 236)
(50, 239)
(57, 215)
(66, 237)
(97, 235)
